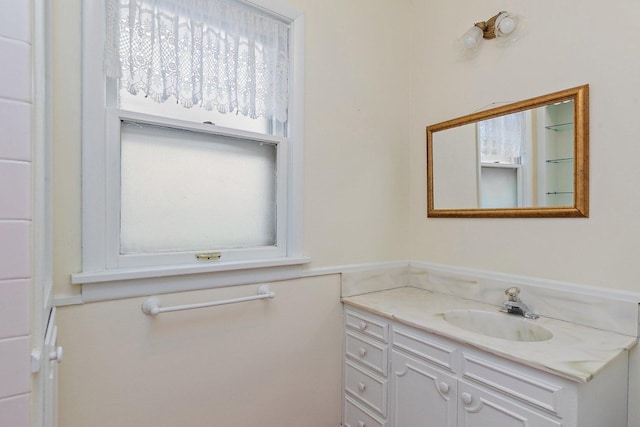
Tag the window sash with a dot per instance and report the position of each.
(184, 190)
(115, 259)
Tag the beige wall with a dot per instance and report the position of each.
(356, 188)
(66, 88)
(455, 187)
(272, 363)
(566, 44)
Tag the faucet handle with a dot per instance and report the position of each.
(512, 294)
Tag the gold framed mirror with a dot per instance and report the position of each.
(526, 159)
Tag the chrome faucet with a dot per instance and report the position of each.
(513, 304)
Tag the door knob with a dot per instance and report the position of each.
(443, 387)
(467, 398)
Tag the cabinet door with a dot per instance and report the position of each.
(480, 407)
(421, 396)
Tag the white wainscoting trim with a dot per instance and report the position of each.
(608, 309)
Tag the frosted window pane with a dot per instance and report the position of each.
(185, 191)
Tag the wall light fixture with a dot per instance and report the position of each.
(501, 25)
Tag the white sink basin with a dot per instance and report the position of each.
(498, 325)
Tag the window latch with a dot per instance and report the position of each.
(208, 255)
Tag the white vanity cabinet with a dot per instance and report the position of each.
(432, 381)
(366, 368)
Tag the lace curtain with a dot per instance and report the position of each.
(215, 54)
(501, 138)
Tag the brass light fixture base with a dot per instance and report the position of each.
(488, 27)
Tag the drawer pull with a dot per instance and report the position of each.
(361, 424)
(361, 387)
(443, 387)
(467, 398)
(363, 352)
(363, 325)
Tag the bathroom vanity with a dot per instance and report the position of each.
(414, 357)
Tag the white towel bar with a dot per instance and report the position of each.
(151, 306)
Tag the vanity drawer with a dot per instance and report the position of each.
(429, 348)
(367, 325)
(366, 386)
(534, 390)
(370, 354)
(356, 416)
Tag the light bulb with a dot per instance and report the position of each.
(505, 24)
(472, 37)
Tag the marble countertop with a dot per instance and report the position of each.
(574, 352)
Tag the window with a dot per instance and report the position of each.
(506, 168)
(192, 137)
(502, 139)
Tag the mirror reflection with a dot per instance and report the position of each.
(524, 159)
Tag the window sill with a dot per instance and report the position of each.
(133, 282)
(179, 270)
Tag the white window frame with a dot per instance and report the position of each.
(101, 261)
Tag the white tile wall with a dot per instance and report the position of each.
(15, 81)
(15, 247)
(15, 128)
(15, 374)
(15, 19)
(15, 190)
(15, 211)
(14, 411)
(14, 308)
